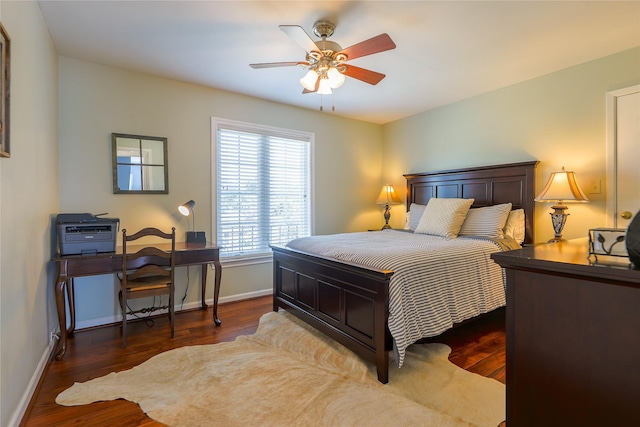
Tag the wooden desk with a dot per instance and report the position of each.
(71, 266)
(572, 337)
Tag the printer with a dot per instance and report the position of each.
(86, 234)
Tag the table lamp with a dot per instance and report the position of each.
(186, 209)
(388, 196)
(561, 187)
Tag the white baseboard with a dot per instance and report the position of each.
(240, 297)
(17, 416)
(115, 319)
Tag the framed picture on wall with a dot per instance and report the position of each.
(5, 70)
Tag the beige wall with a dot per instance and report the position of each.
(96, 100)
(61, 163)
(558, 119)
(28, 198)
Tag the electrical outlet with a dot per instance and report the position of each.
(54, 336)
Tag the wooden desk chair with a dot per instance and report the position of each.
(147, 272)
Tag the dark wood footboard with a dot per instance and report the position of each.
(348, 303)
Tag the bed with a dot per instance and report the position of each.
(349, 300)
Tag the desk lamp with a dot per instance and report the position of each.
(388, 196)
(186, 209)
(562, 186)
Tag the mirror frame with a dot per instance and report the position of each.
(114, 163)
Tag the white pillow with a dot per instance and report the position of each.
(443, 217)
(487, 221)
(414, 215)
(514, 227)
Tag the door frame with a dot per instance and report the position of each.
(612, 166)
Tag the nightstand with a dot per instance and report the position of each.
(572, 337)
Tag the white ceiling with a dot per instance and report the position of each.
(446, 50)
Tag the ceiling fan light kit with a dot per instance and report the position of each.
(326, 60)
(335, 78)
(309, 80)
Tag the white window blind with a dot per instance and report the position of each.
(263, 184)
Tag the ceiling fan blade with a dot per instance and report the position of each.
(300, 36)
(366, 76)
(278, 64)
(375, 44)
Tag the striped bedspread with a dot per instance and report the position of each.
(436, 282)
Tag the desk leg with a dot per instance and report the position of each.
(71, 300)
(203, 286)
(61, 347)
(216, 291)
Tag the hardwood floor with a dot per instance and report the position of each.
(478, 347)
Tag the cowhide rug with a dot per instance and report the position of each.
(289, 374)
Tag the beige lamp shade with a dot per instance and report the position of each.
(388, 196)
(562, 187)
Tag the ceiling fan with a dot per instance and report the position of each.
(326, 60)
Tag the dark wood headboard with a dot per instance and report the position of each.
(488, 185)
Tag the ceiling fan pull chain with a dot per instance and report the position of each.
(333, 107)
(321, 109)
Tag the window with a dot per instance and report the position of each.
(262, 187)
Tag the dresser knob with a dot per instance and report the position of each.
(626, 215)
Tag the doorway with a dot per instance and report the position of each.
(623, 156)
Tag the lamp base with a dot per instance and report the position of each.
(387, 216)
(558, 219)
(196, 237)
(556, 239)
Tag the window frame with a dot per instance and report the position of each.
(218, 123)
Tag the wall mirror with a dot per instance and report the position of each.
(139, 164)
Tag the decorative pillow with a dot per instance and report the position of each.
(443, 217)
(488, 221)
(414, 215)
(514, 227)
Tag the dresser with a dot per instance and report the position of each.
(573, 337)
